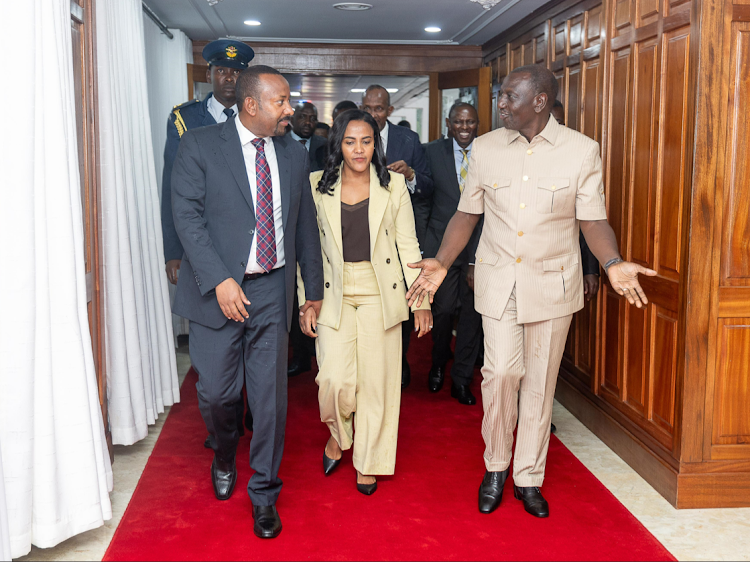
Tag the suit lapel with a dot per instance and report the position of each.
(378, 203)
(285, 176)
(232, 150)
(394, 144)
(332, 209)
(450, 165)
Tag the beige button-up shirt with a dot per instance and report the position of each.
(532, 195)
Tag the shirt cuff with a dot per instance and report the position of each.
(597, 213)
(412, 185)
(471, 207)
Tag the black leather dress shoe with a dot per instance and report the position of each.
(553, 428)
(533, 501)
(207, 442)
(224, 477)
(298, 366)
(267, 521)
(405, 373)
(436, 378)
(367, 489)
(462, 393)
(491, 490)
(329, 465)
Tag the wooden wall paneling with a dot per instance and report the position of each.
(663, 375)
(731, 419)
(646, 12)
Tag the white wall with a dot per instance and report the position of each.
(416, 111)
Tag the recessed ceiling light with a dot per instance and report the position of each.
(252, 22)
(391, 90)
(432, 29)
(295, 94)
(358, 90)
(352, 6)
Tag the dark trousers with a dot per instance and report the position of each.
(453, 292)
(254, 352)
(303, 347)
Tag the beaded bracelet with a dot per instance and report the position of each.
(612, 262)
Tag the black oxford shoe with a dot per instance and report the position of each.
(405, 373)
(436, 378)
(224, 477)
(298, 366)
(533, 501)
(462, 393)
(491, 490)
(267, 522)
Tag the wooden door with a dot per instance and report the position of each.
(473, 85)
(84, 73)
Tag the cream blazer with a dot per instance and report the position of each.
(393, 242)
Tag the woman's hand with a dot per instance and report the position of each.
(422, 322)
(308, 322)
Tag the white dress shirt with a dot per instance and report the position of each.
(298, 138)
(249, 152)
(410, 185)
(217, 110)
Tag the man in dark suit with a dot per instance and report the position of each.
(449, 164)
(405, 155)
(304, 120)
(226, 59)
(244, 213)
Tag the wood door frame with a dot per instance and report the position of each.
(481, 78)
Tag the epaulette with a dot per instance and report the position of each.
(179, 122)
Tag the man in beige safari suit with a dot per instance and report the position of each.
(535, 181)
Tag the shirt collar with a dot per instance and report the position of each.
(246, 135)
(549, 133)
(384, 132)
(298, 138)
(457, 148)
(218, 107)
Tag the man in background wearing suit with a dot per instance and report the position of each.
(535, 182)
(303, 123)
(244, 213)
(226, 59)
(448, 160)
(404, 155)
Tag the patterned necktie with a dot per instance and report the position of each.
(264, 225)
(464, 170)
(229, 112)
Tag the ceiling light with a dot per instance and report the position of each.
(352, 6)
(252, 22)
(432, 29)
(391, 90)
(295, 94)
(358, 90)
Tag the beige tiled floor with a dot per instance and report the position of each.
(716, 534)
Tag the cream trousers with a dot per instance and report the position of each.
(360, 375)
(521, 362)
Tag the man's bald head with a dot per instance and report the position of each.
(542, 80)
(377, 102)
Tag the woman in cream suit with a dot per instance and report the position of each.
(366, 232)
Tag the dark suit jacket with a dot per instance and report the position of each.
(318, 153)
(435, 211)
(193, 114)
(403, 144)
(214, 216)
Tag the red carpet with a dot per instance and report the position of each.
(427, 511)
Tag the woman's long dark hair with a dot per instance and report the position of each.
(336, 156)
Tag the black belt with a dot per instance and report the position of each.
(254, 276)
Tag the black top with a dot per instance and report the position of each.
(355, 231)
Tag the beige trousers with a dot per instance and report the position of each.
(360, 375)
(520, 360)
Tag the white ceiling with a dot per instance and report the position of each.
(393, 21)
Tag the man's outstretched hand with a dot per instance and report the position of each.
(624, 279)
(428, 282)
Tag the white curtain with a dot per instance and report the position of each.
(166, 75)
(4, 528)
(141, 368)
(56, 468)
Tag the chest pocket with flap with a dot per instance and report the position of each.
(498, 190)
(552, 194)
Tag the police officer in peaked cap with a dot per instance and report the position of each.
(226, 59)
